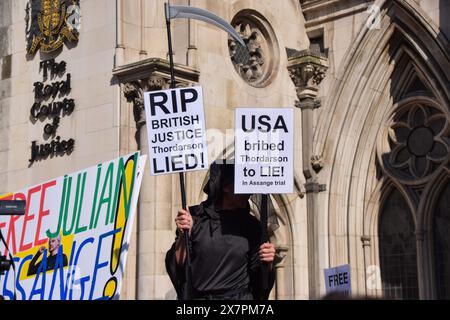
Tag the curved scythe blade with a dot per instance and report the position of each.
(175, 12)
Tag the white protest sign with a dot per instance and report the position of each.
(337, 279)
(264, 150)
(176, 130)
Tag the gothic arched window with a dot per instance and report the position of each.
(398, 256)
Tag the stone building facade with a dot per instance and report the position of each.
(369, 81)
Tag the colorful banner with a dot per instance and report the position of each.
(73, 240)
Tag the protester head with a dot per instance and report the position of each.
(220, 185)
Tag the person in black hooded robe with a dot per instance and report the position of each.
(227, 256)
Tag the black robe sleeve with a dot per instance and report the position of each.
(256, 282)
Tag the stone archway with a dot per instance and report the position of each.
(371, 84)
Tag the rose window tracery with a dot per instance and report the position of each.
(256, 62)
(418, 138)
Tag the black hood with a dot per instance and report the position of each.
(219, 173)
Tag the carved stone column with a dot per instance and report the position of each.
(307, 70)
(157, 202)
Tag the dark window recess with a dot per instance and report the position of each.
(398, 255)
(441, 227)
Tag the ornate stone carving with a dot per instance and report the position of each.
(248, 64)
(418, 140)
(307, 70)
(317, 163)
(256, 62)
(134, 93)
(307, 75)
(280, 254)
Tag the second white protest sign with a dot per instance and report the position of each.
(176, 130)
(264, 150)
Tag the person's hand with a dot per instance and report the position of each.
(267, 252)
(184, 221)
(41, 249)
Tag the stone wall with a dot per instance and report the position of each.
(94, 125)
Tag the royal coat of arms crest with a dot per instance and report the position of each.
(51, 23)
